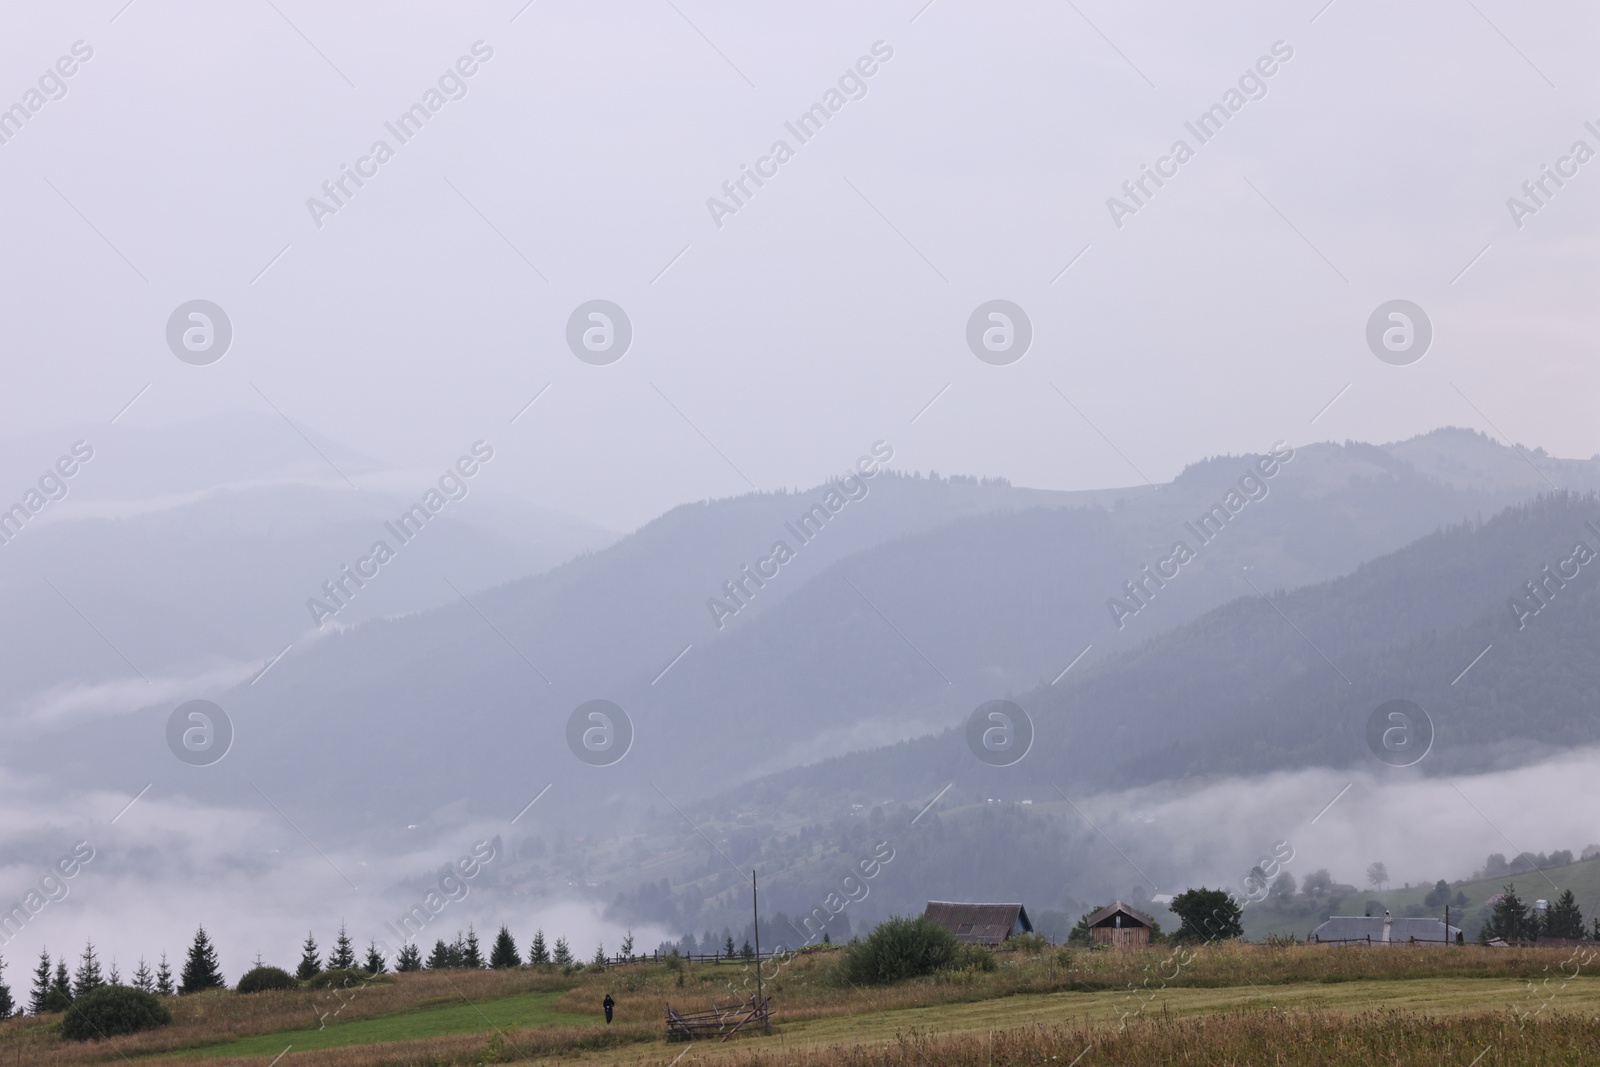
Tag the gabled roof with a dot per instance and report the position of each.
(1361, 927)
(979, 924)
(1115, 906)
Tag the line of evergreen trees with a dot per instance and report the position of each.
(1513, 919)
(55, 987)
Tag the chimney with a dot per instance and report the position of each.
(1388, 926)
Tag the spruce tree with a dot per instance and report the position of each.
(727, 948)
(409, 958)
(537, 952)
(504, 953)
(60, 998)
(599, 956)
(142, 978)
(343, 956)
(41, 984)
(1509, 919)
(627, 946)
(747, 952)
(471, 955)
(375, 963)
(164, 978)
(7, 1005)
(88, 977)
(563, 954)
(113, 976)
(310, 961)
(1565, 919)
(200, 968)
(440, 957)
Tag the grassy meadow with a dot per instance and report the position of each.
(1224, 1004)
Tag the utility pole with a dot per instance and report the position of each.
(755, 908)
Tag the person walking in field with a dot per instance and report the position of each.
(608, 1004)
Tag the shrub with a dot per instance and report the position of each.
(111, 1010)
(899, 949)
(259, 979)
(342, 978)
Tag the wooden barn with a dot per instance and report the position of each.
(979, 924)
(1119, 925)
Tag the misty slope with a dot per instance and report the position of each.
(1242, 690)
(454, 704)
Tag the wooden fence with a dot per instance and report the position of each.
(692, 1025)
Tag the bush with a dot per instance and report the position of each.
(111, 1010)
(341, 978)
(974, 958)
(259, 979)
(899, 949)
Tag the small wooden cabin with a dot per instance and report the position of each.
(979, 924)
(1119, 925)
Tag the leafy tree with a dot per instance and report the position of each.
(310, 960)
(111, 1010)
(374, 963)
(1318, 881)
(504, 954)
(563, 954)
(537, 952)
(899, 949)
(164, 987)
(1377, 874)
(471, 955)
(1283, 888)
(439, 958)
(200, 968)
(343, 956)
(1207, 915)
(260, 978)
(627, 946)
(87, 978)
(60, 998)
(1510, 918)
(41, 984)
(1564, 920)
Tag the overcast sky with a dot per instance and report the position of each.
(771, 345)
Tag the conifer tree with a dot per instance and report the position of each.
(537, 952)
(164, 986)
(440, 957)
(747, 952)
(504, 953)
(60, 998)
(409, 958)
(200, 968)
(727, 948)
(1510, 919)
(563, 953)
(1565, 918)
(113, 976)
(599, 955)
(471, 955)
(627, 946)
(7, 1005)
(88, 977)
(375, 963)
(343, 956)
(41, 984)
(143, 979)
(310, 960)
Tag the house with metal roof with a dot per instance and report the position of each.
(979, 924)
(1120, 925)
(1384, 930)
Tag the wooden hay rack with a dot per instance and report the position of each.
(723, 1022)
